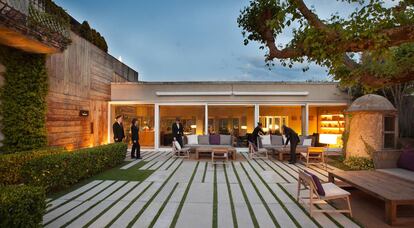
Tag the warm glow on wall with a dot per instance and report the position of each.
(193, 126)
(244, 127)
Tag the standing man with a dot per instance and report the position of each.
(256, 133)
(118, 129)
(136, 148)
(293, 138)
(178, 131)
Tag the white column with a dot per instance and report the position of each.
(206, 119)
(256, 114)
(157, 127)
(305, 119)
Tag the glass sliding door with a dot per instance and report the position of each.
(191, 116)
(274, 117)
(144, 113)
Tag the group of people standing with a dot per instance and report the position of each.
(119, 135)
(291, 137)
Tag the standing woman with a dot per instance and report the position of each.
(293, 138)
(136, 148)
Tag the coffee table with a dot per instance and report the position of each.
(392, 190)
(219, 153)
(205, 149)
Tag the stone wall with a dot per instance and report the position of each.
(2, 70)
(365, 129)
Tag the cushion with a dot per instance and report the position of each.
(203, 140)
(318, 184)
(214, 139)
(406, 160)
(225, 139)
(276, 139)
(177, 145)
(307, 142)
(265, 139)
(192, 139)
(284, 140)
(301, 139)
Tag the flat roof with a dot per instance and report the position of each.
(230, 82)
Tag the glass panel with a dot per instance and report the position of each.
(280, 115)
(145, 116)
(389, 140)
(389, 123)
(192, 118)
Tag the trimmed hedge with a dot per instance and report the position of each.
(11, 164)
(58, 171)
(22, 206)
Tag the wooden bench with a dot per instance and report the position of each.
(393, 191)
(208, 150)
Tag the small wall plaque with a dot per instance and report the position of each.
(84, 113)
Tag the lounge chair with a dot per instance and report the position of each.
(177, 151)
(314, 155)
(331, 192)
(255, 152)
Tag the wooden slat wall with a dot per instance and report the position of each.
(79, 79)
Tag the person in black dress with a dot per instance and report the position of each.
(118, 129)
(256, 133)
(178, 131)
(136, 148)
(293, 138)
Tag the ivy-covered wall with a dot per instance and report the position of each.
(23, 100)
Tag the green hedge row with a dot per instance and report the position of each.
(21, 206)
(58, 171)
(12, 164)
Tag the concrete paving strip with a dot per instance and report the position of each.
(70, 195)
(244, 219)
(85, 206)
(73, 203)
(198, 178)
(224, 218)
(129, 165)
(109, 215)
(167, 215)
(91, 214)
(196, 215)
(277, 169)
(166, 164)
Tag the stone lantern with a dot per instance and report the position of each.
(373, 126)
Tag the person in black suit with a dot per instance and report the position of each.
(293, 138)
(256, 133)
(178, 131)
(118, 129)
(136, 148)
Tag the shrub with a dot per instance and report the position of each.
(11, 164)
(359, 163)
(21, 206)
(58, 171)
(23, 100)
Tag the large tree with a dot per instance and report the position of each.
(355, 48)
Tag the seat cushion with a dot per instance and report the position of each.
(265, 140)
(331, 190)
(214, 139)
(203, 140)
(319, 187)
(307, 142)
(400, 173)
(177, 145)
(276, 139)
(192, 139)
(406, 160)
(301, 139)
(225, 139)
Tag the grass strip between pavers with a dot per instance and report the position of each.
(166, 160)
(129, 205)
(204, 173)
(233, 210)
(79, 204)
(215, 199)
(279, 200)
(261, 198)
(181, 205)
(115, 202)
(131, 223)
(92, 206)
(168, 167)
(154, 220)
(256, 163)
(284, 169)
(249, 206)
(277, 172)
(165, 155)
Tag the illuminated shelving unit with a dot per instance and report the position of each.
(332, 124)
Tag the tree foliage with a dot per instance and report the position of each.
(374, 32)
(84, 30)
(23, 100)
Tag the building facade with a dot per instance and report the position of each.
(228, 108)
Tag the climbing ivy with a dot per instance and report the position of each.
(23, 100)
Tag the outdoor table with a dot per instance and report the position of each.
(219, 153)
(206, 149)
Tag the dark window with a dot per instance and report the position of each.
(389, 123)
(389, 132)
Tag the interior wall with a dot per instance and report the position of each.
(244, 114)
(294, 114)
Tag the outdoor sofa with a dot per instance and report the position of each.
(276, 144)
(399, 163)
(212, 141)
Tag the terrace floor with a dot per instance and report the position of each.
(189, 193)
